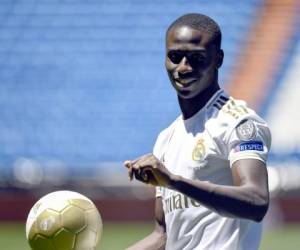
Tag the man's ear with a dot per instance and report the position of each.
(220, 58)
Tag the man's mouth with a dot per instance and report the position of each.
(185, 83)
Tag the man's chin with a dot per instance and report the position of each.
(186, 94)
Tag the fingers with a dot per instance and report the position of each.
(135, 170)
(139, 159)
(130, 174)
(137, 167)
(128, 165)
(140, 175)
(137, 162)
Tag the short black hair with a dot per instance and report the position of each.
(200, 22)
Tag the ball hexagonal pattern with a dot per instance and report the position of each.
(64, 239)
(48, 222)
(64, 220)
(73, 219)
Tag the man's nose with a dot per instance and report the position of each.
(184, 66)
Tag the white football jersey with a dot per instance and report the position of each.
(204, 147)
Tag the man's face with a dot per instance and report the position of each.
(191, 60)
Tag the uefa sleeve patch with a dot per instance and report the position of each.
(246, 130)
(250, 146)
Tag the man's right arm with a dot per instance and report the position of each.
(157, 239)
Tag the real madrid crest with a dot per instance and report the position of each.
(199, 151)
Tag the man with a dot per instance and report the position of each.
(209, 165)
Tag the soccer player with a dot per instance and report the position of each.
(209, 165)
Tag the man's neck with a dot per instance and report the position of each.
(190, 107)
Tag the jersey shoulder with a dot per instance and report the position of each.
(231, 110)
(227, 113)
(232, 124)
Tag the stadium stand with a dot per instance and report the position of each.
(83, 82)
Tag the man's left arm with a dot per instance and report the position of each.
(248, 198)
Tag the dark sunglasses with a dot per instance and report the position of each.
(193, 57)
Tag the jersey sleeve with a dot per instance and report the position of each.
(249, 139)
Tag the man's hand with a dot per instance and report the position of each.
(150, 170)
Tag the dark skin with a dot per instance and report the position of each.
(192, 63)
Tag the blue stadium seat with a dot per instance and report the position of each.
(83, 81)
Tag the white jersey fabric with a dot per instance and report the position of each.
(204, 147)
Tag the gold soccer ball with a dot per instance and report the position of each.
(64, 220)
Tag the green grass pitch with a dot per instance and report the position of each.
(118, 236)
